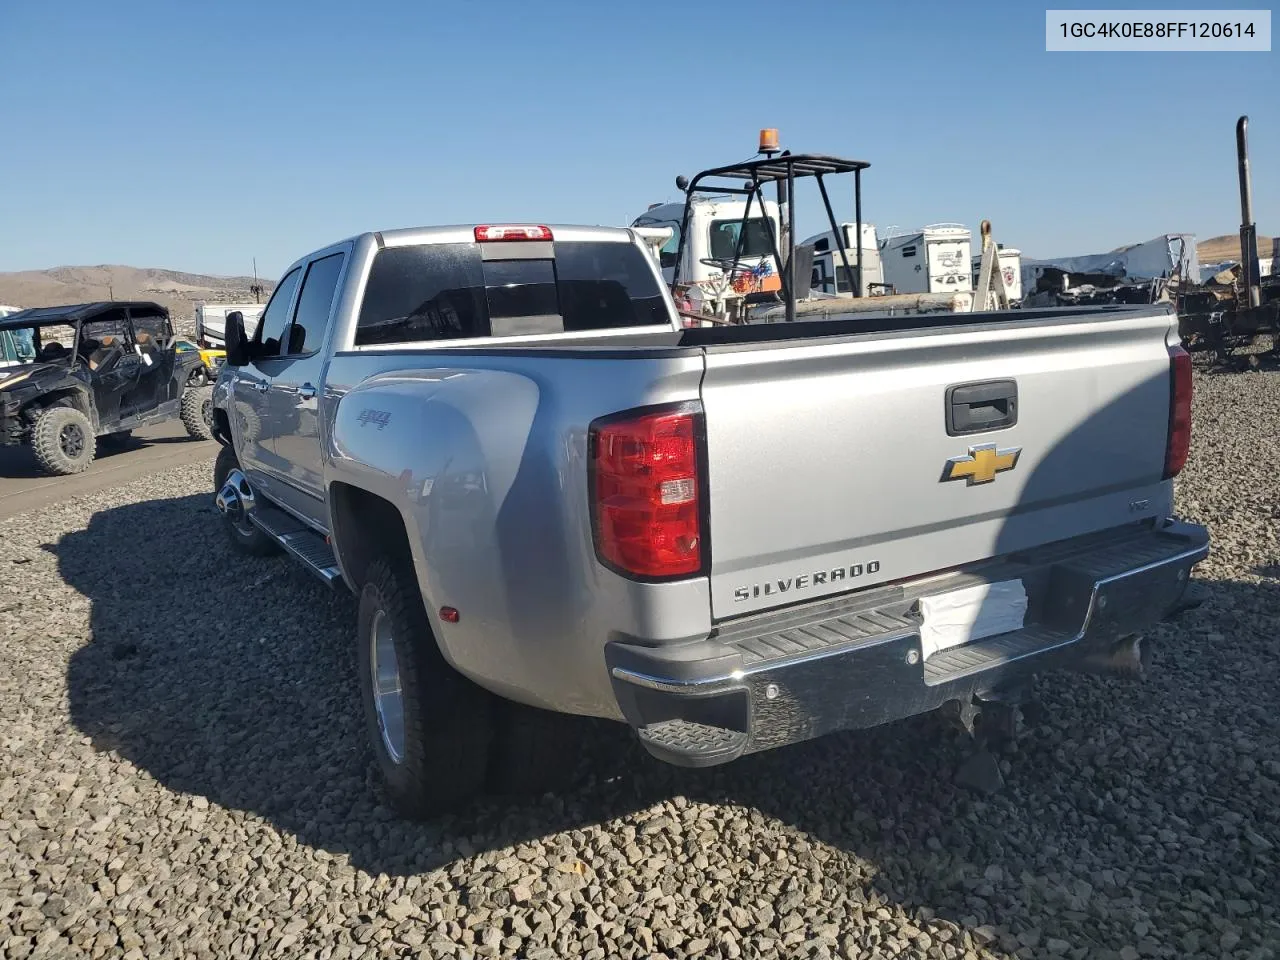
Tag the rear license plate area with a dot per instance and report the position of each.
(957, 617)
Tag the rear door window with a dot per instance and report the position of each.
(150, 332)
(449, 292)
(311, 319)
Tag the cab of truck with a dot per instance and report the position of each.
(717, 234)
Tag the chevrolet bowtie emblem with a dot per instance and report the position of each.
(982, 464)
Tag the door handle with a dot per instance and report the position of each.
(261, 386)
(979, 407)
(306, 391)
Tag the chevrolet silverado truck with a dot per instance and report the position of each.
(551, 499)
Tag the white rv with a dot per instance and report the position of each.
(715, 228)
(1010, 268)
(211, 322)
(829, 274)
(935, 259)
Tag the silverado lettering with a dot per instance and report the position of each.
(817, 579)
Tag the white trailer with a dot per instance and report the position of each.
(935, 259)
(829, 275)
(211, 322)
(1010, 269)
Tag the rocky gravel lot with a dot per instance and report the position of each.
(184, 775)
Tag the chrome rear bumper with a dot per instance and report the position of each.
(857, 661)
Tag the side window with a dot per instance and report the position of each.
(276, 317)
(667, 255)
(311, 319)
(104, 343)
(150, 332)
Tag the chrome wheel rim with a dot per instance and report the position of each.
(388, 698)
(71, 440)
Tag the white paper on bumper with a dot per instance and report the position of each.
(972, 613)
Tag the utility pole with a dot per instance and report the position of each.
(257, 287)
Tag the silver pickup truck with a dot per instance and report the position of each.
(552, 499)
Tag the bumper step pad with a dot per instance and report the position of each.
(690, 744)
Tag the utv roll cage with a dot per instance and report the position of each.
(76, 315)
(783, 171)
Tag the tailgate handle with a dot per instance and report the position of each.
(979, 407)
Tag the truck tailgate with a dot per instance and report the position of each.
(832, 466)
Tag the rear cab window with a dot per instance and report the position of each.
(454, 291)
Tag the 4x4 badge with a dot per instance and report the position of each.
(981, 464)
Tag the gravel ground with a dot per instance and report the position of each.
(184, 774)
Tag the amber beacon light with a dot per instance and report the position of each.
(769, 140)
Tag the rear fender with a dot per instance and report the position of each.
(444, 447)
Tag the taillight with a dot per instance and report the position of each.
(647, 492)
(1175, 456)
(512, 232)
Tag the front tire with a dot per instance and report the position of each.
(244, 534)
(197, 412)
(429, 727)
(63, 441)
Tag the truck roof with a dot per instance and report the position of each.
(465, 233)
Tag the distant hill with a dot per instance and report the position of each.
(1217, 249)
(174, 289)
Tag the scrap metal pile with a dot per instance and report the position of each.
(1227, 316)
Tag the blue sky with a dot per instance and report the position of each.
(198, 136)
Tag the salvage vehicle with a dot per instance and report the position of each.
(210, 363)
(551, 499)
(74, 376)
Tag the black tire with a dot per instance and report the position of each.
(198, 377)
(197, 412)
(63, 441)
(534, 751)
(447, 720)
(244, 537)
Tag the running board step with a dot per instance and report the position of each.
(686, 743)
(306, 546)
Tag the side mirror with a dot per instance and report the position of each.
(237, 342)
